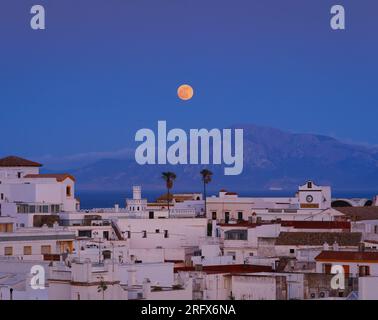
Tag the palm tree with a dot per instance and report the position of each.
(102, 287)
(206, 178)
(169, 177)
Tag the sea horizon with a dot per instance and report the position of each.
(108, 198)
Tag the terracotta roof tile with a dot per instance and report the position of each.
(13, 161)
(347, 256)
(59, 177)
(317, 224)
(359, 213)
(229, 268)
(318, 238)
(371, 241)
(344, 225)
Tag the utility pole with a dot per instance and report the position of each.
(99, 251)
(113, 256)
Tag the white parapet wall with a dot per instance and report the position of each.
(367, 288)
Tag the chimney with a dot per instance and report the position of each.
(335, 246)
(325, 246)
(131, 277)
(361, 247)
(116, 208)
(146, 288)
(222, 193)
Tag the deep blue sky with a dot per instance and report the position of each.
(104, 69)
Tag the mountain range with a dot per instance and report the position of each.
(273, 159)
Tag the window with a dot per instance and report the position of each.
(214, 215)
(309, 185)
(18, 175)
(144, 234)
(236, 235)
(68, 191)
(226, 217)
(346, 270)
(165, 233)
(2, 196)
(6, 227)
(327, 268)
(364, 271)
(157, 231)
(8, 251)
(151, 215)
(292, 250)
(85, 233)
(27, 250)
(45, 249)
(240, 215)
(233, 254)
(55, 208)
(128, 234)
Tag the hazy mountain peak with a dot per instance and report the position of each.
(272, 158)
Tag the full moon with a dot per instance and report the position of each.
(185, 92)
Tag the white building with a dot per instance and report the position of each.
(16, 276)
(311, 202)
(213, 282)
(211, 254)
(36, 243)
(85, 281)
(367, 288)
(25, 193)
(354, 263)
(181, 206)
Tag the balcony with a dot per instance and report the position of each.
(83, 222)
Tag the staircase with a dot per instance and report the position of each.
(282, 264)
(117, 231)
